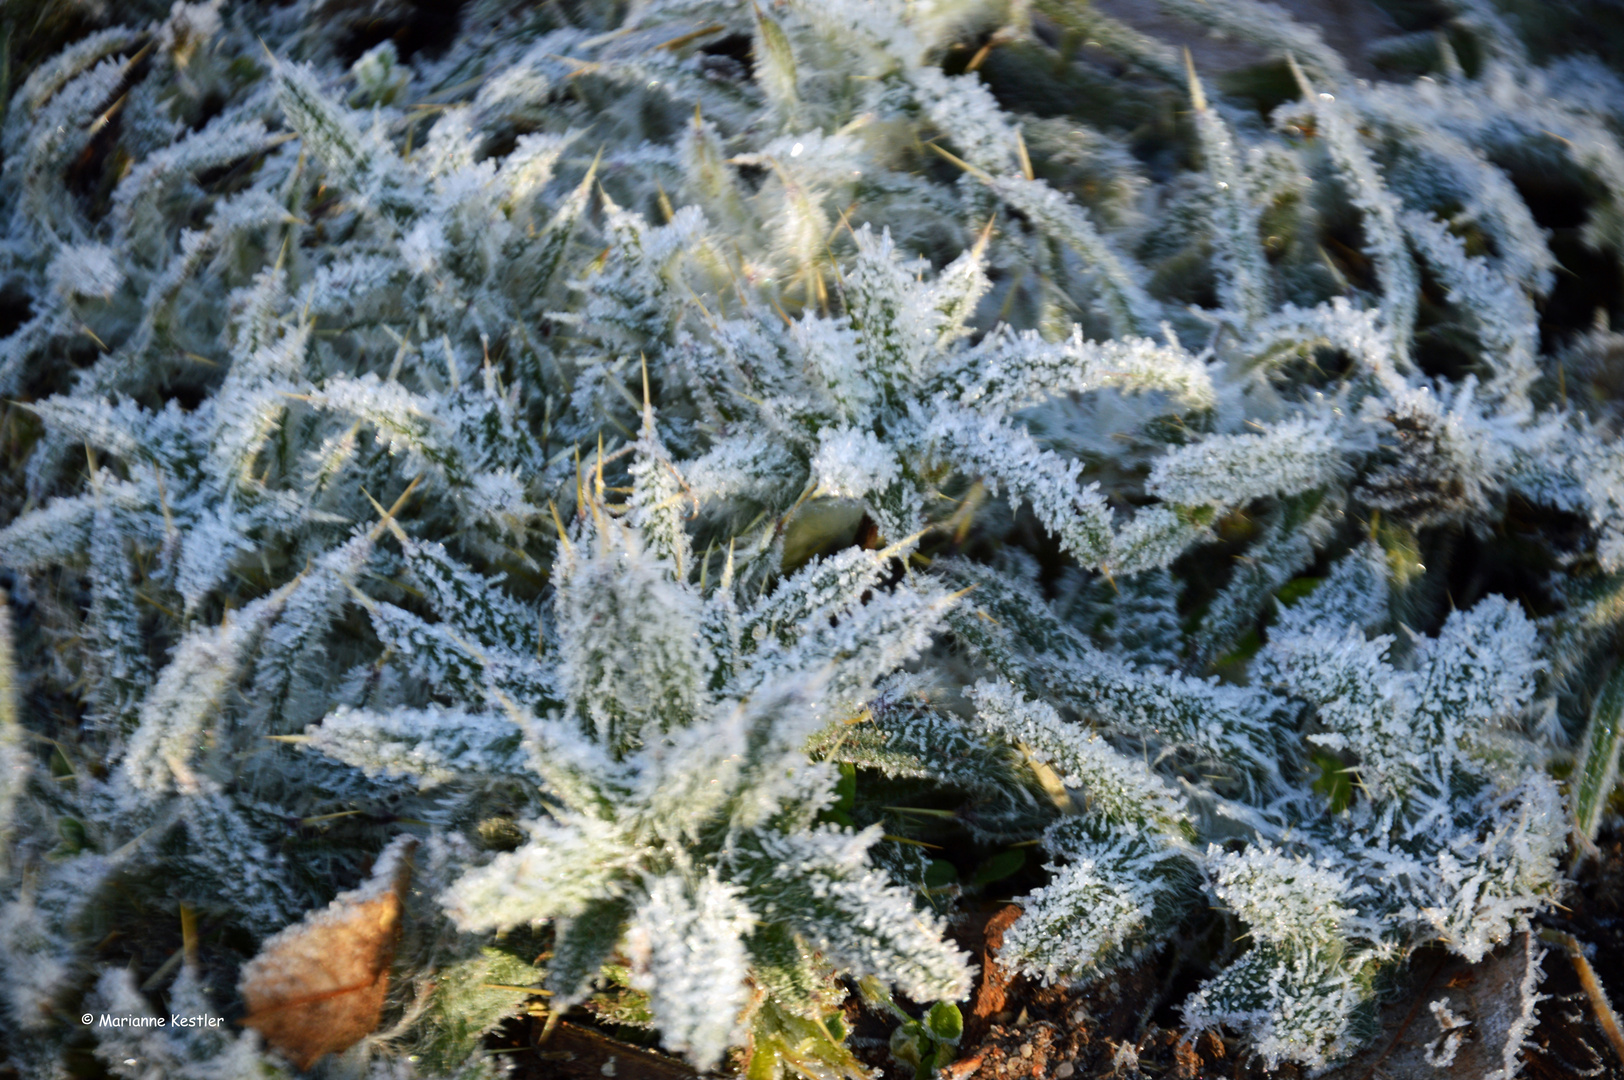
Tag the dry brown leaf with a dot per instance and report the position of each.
(318, 986)
(1459, 1020)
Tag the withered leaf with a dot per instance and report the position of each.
(318, 986)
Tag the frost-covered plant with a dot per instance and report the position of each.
(664, 723)
(1176, 473)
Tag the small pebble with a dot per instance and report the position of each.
(1065, 1070)
(1026, 1050)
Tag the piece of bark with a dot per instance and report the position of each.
(318, 986)
(992, 991)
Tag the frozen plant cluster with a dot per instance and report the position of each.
(690, 462)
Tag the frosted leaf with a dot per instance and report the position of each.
(1018, 633)
(894, 331)
(188, 694)
(1225, 470)
(851, 463)
(86, 271)
(1114, 787)
(434, 745)
(745, 466)
(530, 167)
(1284, 899)
(403, 421)
(362, 162)
(1486, 883)
(819, 882)
(1502, 311)
(1009, 457)
(424, 247)
(660, 503)
(1354, 591)
(378, 74)
(238, 863)
(1480, 669)
(1384, 235)
(1011, 370)
(1130, 308)
(1452, 460)
(1109, 903)
(1295, 1006)
(830, 347)
(685, 947)
(628, 659)
(560, 869)
(1153, 538)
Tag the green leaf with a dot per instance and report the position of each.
(846, 788)
(940, 874)
(1597, 773)
(1335, 781)
(1297, 588)
(1000, 866)
(910, 1043)
(72, 831)
(945, 1022)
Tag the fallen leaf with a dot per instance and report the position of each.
(318, 986)
(1457, 1021)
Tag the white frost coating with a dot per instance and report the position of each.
(1384, 235)
(1153, 538)
(1013, 370)
(822, 883)
(1355, 591)
(1308, 1010)
(1441, 1052)
(686, 950)
(1225, 470)
(1479, 671)
(850, 464)
(563, 866)
(1503, 310)
(1486, 886)
(1009, 457)
(1095, 913)
(90, 271)
(1283, 899)
(435, 745)
(354, 301)
(188, 693)
(423, 248)
(1115, 787)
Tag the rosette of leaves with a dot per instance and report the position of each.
(662, 722)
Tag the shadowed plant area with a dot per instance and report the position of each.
(808, 538)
